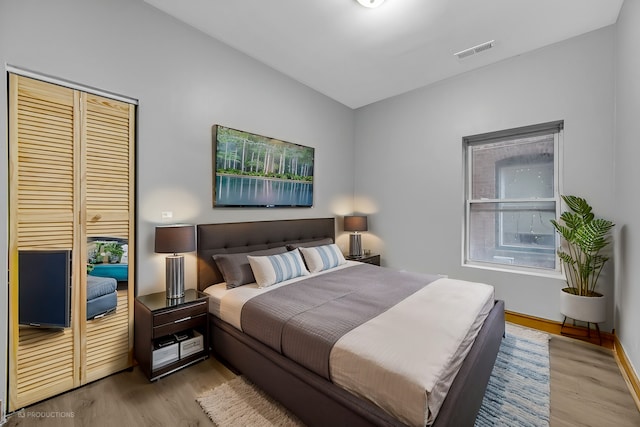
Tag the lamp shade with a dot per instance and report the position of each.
(355, 223)
(173, 239)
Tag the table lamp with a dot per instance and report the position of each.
(174, 239)
(355, 223)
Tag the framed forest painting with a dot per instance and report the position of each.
(252, 170)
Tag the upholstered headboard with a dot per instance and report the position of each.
(252, 236)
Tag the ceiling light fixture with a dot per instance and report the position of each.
(370, 3)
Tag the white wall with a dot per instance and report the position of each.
(627, 177)
(185, 83)
(409, 163)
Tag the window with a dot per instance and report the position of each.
(512, 193)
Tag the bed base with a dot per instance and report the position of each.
(318, 402)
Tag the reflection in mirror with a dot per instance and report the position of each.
(107, 272)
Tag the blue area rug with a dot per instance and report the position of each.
(517, 394)
(518, 391)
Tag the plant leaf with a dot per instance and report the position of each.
(565, 232)
(566, 258)
(591, 237)
(579, 206)
(572, 220)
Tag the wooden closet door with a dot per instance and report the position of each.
(44, 154)
(72, 177)
(108, 207)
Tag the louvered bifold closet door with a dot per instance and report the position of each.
(72, 178)
(44, 152)
(108, 135)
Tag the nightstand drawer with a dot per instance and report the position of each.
(180, 314)
(178, 325)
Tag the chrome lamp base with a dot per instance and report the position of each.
(355, 245)
(175, 276)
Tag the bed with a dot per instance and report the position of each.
(313, 398)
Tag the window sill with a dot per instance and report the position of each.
(515, 270)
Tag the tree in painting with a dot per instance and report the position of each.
(246, 154)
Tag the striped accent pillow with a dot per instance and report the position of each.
(321, 258)
(269, 270)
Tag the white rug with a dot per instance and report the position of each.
(517, 394)
(238, 403)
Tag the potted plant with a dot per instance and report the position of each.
(114, 251)
(585, 237)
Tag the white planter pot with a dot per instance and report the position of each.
(586, 309)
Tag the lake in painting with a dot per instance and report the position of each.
(252, 191)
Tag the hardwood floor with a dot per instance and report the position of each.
(587, 389)
(129, 399)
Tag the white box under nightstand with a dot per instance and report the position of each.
(191, 345)
(164, 355)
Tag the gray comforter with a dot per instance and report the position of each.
(303, 321)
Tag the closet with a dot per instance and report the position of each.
(71, 182)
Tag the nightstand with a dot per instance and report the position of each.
(171, 333)
(369, 259)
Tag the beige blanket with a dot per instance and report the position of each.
(405, 359)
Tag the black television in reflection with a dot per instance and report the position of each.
(44, 288)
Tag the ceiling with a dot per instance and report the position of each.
(357, 55)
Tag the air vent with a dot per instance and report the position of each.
(476, 49)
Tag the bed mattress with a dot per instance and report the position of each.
(390, 359)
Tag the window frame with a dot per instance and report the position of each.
(554, 128)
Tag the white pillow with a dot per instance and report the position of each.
(319, 258)
(269, 270)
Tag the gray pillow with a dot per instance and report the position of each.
(235, 268)
(310, 244)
